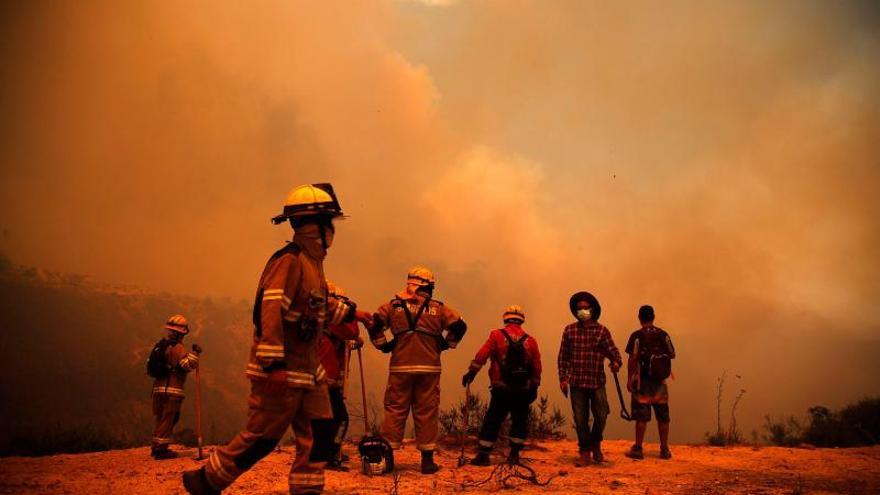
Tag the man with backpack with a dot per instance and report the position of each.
(585, 346)
(650, 364)
(514, 375)
(168, 364)
(291, 308)
(417, 323)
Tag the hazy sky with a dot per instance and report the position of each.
(716, 159)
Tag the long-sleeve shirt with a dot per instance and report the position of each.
(182, 362)
(495, 349)
(582, 354)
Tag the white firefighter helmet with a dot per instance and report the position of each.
(177, 323)
(308, 200)
(420, 276)
(514, 312)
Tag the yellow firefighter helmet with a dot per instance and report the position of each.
(420, 276)
(310, 199)
(514, 312)
(335, 290)
(177, 323)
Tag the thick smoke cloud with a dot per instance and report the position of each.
(716, 160)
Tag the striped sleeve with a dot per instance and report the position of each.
(339, 310)
(277, 295)
(381, 320)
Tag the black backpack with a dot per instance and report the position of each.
(157, 363)
(515, 367)
(655, 359)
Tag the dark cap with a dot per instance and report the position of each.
(595, 307)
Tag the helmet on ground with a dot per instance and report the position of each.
(421, 276)
(595, 307)
(177, 323)
(514, 312)
(310, 200)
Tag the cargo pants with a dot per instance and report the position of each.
(269, 416)
(416, 392)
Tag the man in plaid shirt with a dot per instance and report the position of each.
(585, 346)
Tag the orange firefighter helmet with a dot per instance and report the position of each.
(514, 312)
(420, 276)
(177, 323)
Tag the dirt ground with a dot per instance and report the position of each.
(694, 469)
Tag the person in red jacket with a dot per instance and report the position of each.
(515, 375)
(333, 344)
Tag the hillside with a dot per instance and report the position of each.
(72, 363)
(695, 469)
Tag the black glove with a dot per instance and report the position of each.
(388, 346)
(444, 345)
(533, 393)
(468, 378)
(197, 348)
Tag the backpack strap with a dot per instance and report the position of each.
(510, 339)
(412, 322)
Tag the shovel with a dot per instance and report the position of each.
(199, 412)
(623, 412)
(465, 411)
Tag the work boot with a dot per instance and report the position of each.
(598, 458)
(481, 459)
(583, 459)
(665, 453)
(635, 452)
(196, 483)
(513, 457)
(164, 454)
(337, 465)
(428, 465)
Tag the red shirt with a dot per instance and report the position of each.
(331, 350)
(495, 349)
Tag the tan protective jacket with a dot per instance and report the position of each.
(291, 309)
(416, 351)
(182, 362)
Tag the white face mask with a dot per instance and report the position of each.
(584, 314)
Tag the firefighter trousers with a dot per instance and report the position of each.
(166, 409)
(506, 401)
(340, 419)
(416, 392)
(269, 416)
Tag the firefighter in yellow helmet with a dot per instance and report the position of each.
(287, 380)
(168, 364)
(417, 323)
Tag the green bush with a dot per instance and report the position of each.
(784, 432)
(855, 425)
(544, 422)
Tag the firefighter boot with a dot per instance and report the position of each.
(598, 458)
(195, 483)
(583, 459)
(160, 454)
(513, 457)
(428, 465)
(481, 459)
